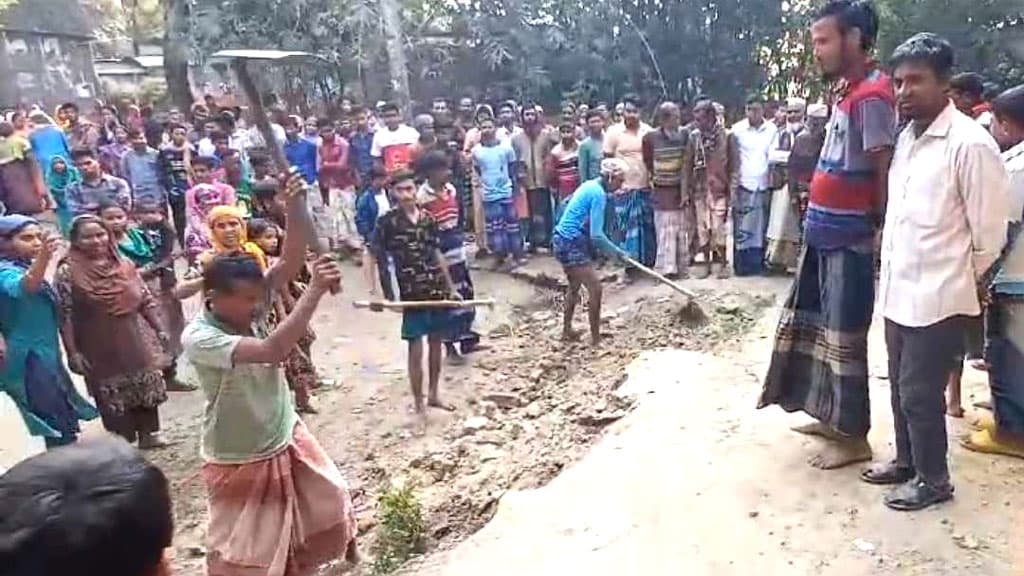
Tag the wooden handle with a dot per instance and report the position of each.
(660, 278)
(259, 116)
(424, 304)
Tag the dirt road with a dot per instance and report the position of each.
(689, 480)
(695, 481)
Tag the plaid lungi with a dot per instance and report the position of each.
(287, 514)
(503, 232)
(820, 360)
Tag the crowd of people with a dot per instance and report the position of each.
(909, 180)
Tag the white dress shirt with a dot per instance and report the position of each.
(754, 145)
(945, 223)
(1014, 160)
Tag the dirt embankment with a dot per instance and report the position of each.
(526, 408)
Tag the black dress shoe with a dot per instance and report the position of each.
(917, 495)
(888, 474)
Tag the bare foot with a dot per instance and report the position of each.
(819, 429)
(456, 360)
(839, 454)
(152, 442)
(437, 403)
(352, 554)
(571, 336)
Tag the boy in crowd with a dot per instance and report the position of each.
(176, 168)
(300, 153)
(409, 235)
(371, 204)
(494, 161)
(94, 508)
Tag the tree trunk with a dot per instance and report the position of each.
(176, 29)
(395, 41)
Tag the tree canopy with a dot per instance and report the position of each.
(548, 50)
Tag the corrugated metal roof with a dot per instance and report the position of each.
(51, 17)
(148, 61)
(282, 56)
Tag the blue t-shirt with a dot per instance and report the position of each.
(587, 203)
(48, 141)
(493, 164)
(302, 154)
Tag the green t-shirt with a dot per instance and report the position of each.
(249, 414)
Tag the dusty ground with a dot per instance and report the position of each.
(542, 402)
(690, 479)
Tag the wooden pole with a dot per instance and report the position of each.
(689, 294)
(422, 305)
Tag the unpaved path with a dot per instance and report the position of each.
(695, 481)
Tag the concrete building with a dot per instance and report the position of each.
(45, 55)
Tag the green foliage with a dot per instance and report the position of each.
(973, 27)
(401, 532)
(547, 50)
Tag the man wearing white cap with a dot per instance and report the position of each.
(573, 245)
(783, 235)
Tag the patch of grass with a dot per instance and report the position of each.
(401, 532)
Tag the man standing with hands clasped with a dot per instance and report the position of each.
(944, 227)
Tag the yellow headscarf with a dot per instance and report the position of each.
(218, 214)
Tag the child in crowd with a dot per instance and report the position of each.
(437, 197)
(95, 508)
(276, 499)
(60, 175)
(176, 167)
(409, 235)
(299, 369)
(110, 155)
(267, 204)
(371, 204)
(159, 276)
(203, 197)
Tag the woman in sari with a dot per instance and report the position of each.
(106, 311)
(229, 236)
(59, 175)
(33, 374)
(148, 246)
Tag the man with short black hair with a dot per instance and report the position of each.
(81, 133)
(94, 508)
(409, 235)
(750, 202)
(532, 146)
(591, 153)
(394, 141)
(944, 228)
(967, 91)
(95, 187)
(668, 158)
(820, 361)
(633, 228)
(141, 169)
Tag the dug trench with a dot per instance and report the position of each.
(527, 407)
